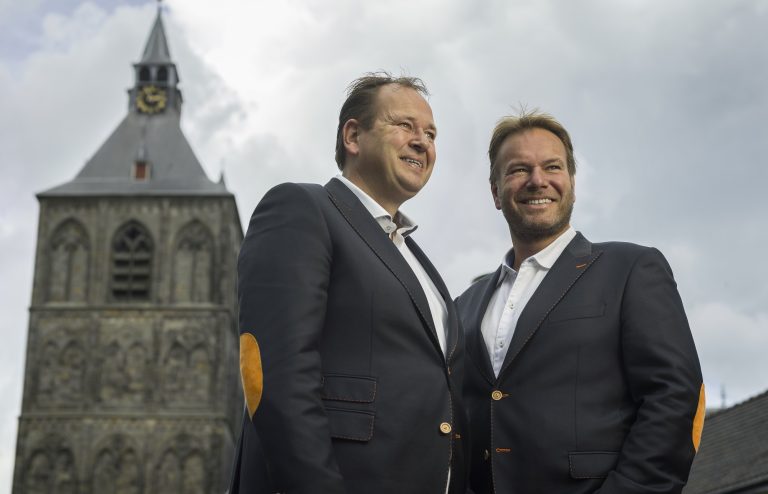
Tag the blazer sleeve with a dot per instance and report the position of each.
(662, 368)
(283, 270)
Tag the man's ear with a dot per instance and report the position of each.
(350, 135)
(495, 192)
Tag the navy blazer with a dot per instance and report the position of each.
(601, 389)
(356, 395)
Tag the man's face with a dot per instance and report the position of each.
(396, 155)
(532, 186)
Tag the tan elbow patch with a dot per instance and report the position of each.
(698, 419)
(251, 373)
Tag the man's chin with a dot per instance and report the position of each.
(535, 231)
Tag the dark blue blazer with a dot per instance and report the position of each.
(601, 389)
(357, 395)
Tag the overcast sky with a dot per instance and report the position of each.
(666, 103)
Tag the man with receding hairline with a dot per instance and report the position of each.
(582, 374)
(350, 351)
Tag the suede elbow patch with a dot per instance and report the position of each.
(698, 419)
(251, 372)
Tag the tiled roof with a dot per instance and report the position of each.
(733, 457)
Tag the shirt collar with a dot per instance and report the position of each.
(545, 258)
(406, 225)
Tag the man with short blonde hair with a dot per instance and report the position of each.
(584, 375)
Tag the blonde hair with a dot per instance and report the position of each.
(526, 120)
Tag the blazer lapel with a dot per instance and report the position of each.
(452, 326)
(577, 257)
(475, 342)
(369, 230)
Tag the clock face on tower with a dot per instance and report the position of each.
(151, 99)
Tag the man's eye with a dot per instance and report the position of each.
(406, 125)
(431, 136)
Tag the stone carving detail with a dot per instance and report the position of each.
(47, 368)
(182, 468)
(38, 475)
(51, 470)
(61, 375)
(123, 375)
(169, 473)
(68, 263)
(193, 263)
(186, 369)
(116, 469)
(193, 478)
(71, 373)
(199, 382)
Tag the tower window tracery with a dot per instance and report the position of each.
(68, 263)
(132, 251)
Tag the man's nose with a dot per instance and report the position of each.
(536, 179)
(421, 139)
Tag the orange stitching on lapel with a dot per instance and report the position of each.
(579, 266)
(536, 328)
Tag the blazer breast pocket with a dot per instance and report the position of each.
(348, 402)
(592, 464)
(577, 312)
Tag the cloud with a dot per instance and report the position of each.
(731, 346)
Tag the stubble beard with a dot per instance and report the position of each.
(532, 230)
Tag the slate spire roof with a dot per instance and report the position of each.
(152, 142)
(156, 50)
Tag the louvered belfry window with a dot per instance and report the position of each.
(131, 264)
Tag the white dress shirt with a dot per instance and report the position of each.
(436, 303)
(434, 299)
(513, 291)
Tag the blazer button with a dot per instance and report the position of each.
(496, 395)
(486, 454)
(445, 428)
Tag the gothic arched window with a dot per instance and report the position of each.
(162, 74)
(51, 468)
(117, 468)
(131, 264)
(68, 263)
(144, 74)
(193, 264)
(182, 468)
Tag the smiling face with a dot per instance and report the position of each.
(532, 186)
(393, 159)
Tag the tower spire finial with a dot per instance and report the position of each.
(156, 49)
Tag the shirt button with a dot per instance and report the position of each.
(511, 305)
(501, 344)
(496, 395)
(445, 428)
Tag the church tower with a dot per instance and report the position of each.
(131, 382)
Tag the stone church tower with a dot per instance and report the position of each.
(131, 380)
